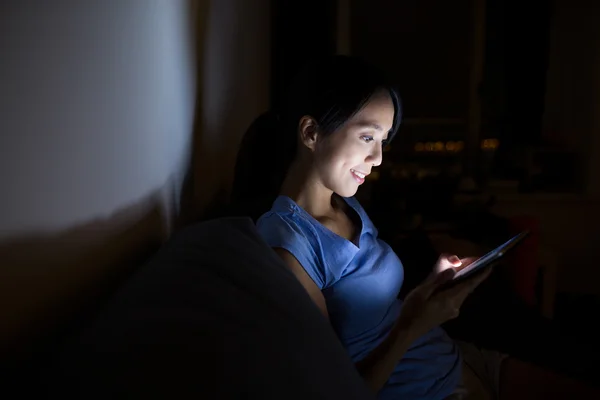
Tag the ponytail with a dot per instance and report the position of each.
(264, 156)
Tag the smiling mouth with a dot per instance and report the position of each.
(358, 176)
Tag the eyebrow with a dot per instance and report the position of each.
(369, 124)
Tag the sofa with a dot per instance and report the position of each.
(214, 314)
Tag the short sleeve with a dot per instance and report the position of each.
(282, 231)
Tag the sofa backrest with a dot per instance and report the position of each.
(215, 314)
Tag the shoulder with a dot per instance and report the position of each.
(287, 229)
(284, 226)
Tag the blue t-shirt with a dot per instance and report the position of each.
(360, 285)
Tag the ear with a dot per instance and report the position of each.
(308, 129)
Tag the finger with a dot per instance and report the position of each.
(455, 312)
(455, 294)
(450, 305)
(454, 260)
(444, 276)
(436, 280)
(462, 290)
(446, 261)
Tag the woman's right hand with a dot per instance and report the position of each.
(425, 308)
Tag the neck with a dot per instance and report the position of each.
(303, 186)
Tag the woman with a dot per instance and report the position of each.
(339, 116)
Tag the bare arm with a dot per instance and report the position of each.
(309, 285)
(377, 367)
(423, 309)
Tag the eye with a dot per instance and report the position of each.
(367, 139)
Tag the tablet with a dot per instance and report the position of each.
(488, 259)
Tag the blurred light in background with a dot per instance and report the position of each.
(490, 144)
(439, 147)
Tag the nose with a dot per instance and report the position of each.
(376, 156)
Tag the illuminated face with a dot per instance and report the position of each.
(344, 158)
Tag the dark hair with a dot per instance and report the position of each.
(331, 91)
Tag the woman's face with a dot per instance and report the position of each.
(344, 158)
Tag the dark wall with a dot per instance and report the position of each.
(514, 83)
(423, 45)
(301, 31)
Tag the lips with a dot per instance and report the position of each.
(358, 176)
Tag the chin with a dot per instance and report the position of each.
(346, 192)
